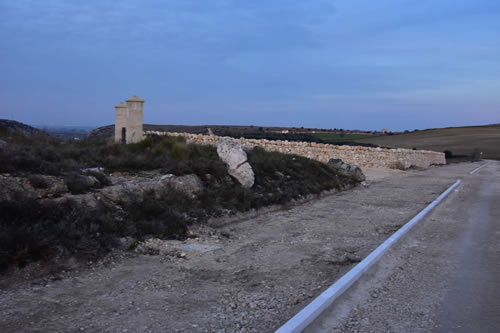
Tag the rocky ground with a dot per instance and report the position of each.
(246, 276)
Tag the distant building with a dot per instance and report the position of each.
(384, 131)
(285, 131)
(128, 121)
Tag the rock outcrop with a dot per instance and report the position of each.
(44, 187)
(190, 185)
(32, 187)
(235, 158)
(347, 169)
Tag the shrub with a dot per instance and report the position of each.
(161, 214)
(448, 154)
(281, 177)
(78, 184)
(32, 231)
(476, 154)
(38, 181)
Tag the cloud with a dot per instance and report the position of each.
(253, 55)
(221, 25)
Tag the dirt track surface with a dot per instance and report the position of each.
(265, 271)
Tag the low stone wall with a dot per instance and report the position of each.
(361, 156)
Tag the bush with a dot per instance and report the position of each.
(78, 184)
(32, 231)
(280, 177)
(476, 154)
(163, 215)
(38, 181)
(169, 153)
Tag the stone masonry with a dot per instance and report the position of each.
(128, 121)
(361, 156)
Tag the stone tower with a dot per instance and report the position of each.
(128, 121)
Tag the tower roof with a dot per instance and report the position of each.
(121, 105)
(135, 99)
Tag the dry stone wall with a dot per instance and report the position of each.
(361, 156)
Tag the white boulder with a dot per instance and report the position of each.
(235, 158)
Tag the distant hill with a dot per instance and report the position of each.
(66, 133)
(250, 131)
(12, 126)
(458, 140)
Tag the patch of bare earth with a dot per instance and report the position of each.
(249, 276)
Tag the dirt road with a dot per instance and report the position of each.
(444, 276)
(260, 272)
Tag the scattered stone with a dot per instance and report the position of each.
(175, 248)
(90, 170)
(91, 181)
(126, 242)
(188, 184)
(347, 169)
(198, 248)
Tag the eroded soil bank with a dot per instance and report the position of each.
(249, 276)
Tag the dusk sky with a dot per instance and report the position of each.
(395, 64)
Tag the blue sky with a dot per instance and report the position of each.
(364, 64)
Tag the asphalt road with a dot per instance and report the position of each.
(472, 301)
(444, 276)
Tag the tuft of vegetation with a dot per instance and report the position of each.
(475, 155)
(38, 181)
(170, 154)
(32, 230)
(284, 177)
(164, 215)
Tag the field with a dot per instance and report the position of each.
(458, 140)
(336, 137)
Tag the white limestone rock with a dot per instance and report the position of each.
(188, 184)
(235, 158)
(191, 185)
(347, 169)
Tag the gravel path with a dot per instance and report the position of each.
(262, 271)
